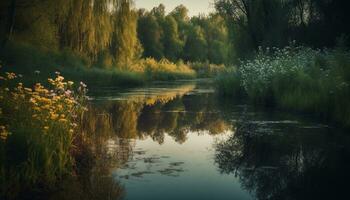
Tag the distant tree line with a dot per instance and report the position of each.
(113, 33)
(176, 36)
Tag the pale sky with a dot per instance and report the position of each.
(195, 7)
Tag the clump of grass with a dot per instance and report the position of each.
(228, 83)
(295, 78)
(207, 70)
(37, 129)
(163, 69)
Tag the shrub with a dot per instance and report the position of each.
(296, 78)
(163, 69)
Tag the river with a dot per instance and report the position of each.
(179, 140)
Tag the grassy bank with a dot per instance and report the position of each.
(295, 78)
(37, 64)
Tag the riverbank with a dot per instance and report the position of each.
(294, 78)
(37, 64)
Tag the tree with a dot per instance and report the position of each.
(150, 33)
(180, 14)
(196, 45)
(171, 41)
(125, 46)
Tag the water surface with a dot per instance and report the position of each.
(179, 140)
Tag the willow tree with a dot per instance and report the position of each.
(86, 27)
(125, 45)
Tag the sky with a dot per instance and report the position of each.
(195, 7)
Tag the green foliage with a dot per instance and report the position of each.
(176, 36)
(126, 46)
(150, 34)
(207, 70)
(299, 79)
(102, 31)
(172, 43)
(274, 23)
(196, 45)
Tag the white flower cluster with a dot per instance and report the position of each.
(257, 74)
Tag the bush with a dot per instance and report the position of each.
(296, 78)
(163, 69)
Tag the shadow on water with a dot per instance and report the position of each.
(181, 135)
(282, 159)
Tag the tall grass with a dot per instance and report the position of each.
(295, 78)
(163, 69)
(207, 70)
(37, 128)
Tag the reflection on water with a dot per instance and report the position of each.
(179, 141)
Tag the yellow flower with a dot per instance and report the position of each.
(28, 89)
(70, 83)
(3, 133)
(71, 131)
(62, 120)
(53, 116)
(46, 107)
(46, 128)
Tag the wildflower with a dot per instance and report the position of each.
(7, 89)
(10, 75)
(74, 125)
(59, 78)
(46, 128)
(71, 131)
(36, 72)
(83, 84)
(3, 133)
(53, 116)
(70, 83)
(62, 120)
(28, 89)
